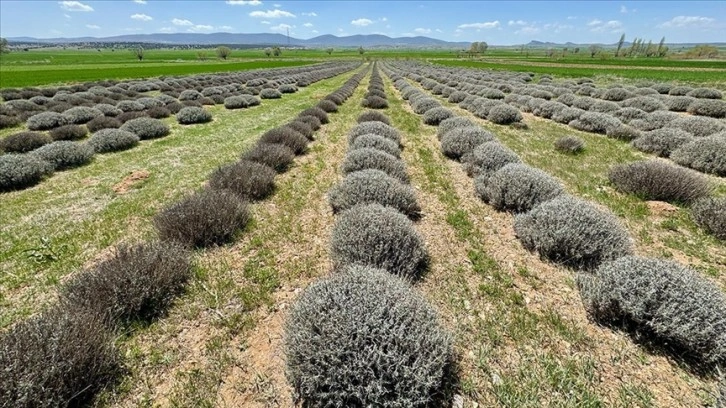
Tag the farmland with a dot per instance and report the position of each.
(265, 203)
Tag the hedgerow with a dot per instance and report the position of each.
(379, 237)
(664, 300)
(248, 179)
(573, 232)
(371, 186)
(659, 180)
(112, 140)
(22, 170)
(65, 154)
(517, 188)
(136, 283)
(206, 218)
(362, 337)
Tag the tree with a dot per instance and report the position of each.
(361, 50)
(223, 52)
(138, 53)
(202, 55)
(276, 51)
(482, 47)
(329, 50)
(4, 46)
(620, 45)
(577, 50)
(268, 51)
(594, 50)
(473, 49)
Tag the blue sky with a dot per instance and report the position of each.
(498, 23)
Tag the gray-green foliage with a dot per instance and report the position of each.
(376, 128)
(81, 114)
(23, 142)
(47, 121)
(420, 106)
(662, 142)
(659, 180)
(269, 93)
(249, 180)
(706, 154)
(462, 140)
(452, 123)
(192, 114)
(437, 115)
(699, 125)
(376, 142)
(570, 144)
(22, 170)
(146, 128)
(708, 107)
(504, 114)
(487, 158)
(369, 158)
(517, 187)
(374, 186)
(573, 232)
(363, 338)
(275, 155)
(65, 154)
(672, 303)
(112, 140)
(380, 237)
(710, 214)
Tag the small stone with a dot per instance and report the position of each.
(496, 379)
(458, 401)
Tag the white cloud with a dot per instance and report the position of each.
(277, 13)
(93, 27)
(281, 27)
(244, 2)
(139, 1)
(308, 25)
(361, 22)
(384, 19)
(422, 31)
(517, 23)
(167, 30)
(180, 22)
(141, 17)
(598, 26)
(488, 24)
(277, 5)
(226, 28)
(314, 31)
(687, 21)
(199, 28)
(438, 30)
(265, 22)
(311, 14)
(75, 6)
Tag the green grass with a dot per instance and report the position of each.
(713, 78)
(54, 228)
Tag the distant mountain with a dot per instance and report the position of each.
(369, 41)
(626, 44)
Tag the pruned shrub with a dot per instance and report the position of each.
(573, 232)
(127, 116)
(374, 102)
(68, 132)
(79, 115)
(452, 123)
(190, 95)
(47, 121)
(274, 155)
(287, 88)
(374, 186)
(707, 93)
(457, 96)
(670, 303)
(19, 171)
(644, 103)
(192, 115)
(421, 105)
(570, 144)
(362, 337)
(373, 116)
(108, 109)
(248, 179)
(678, 103)
(158, 112)
(270, 93)
(24, 142)
(302, 128)
(437, 115)
(368, 158)
(8, 121)
(623, 132)
(567, 115)
(327, 106)
(517, 188)
(236, 102)
(376, 142)
(595, 122)
(662, 141)
(628, 114)
(460, 141)
(136, 283)
(375, 128)
(65, 154)
(504, 114)
(287, 136)
(708, 107)
(146, 128)
(487, 158)
(616, 94)
(130, 106)
(699, 126)
(659, 180)
(706, 154)
(58, 358)
(312, 121)
(379, 237)
(316, 112)
(112, 140)
(206, 218)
